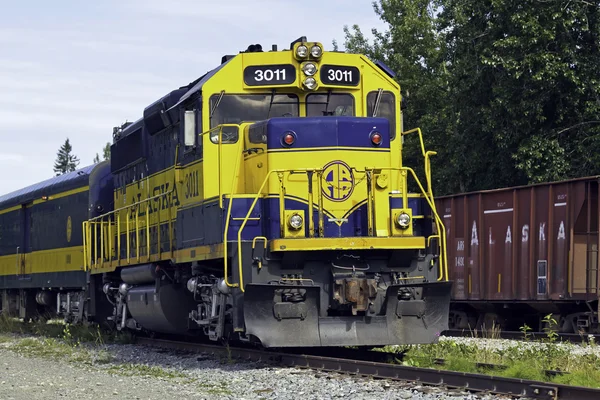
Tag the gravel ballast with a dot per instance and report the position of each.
(505, 344)
(137, 372)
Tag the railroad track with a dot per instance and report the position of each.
(516, 335)
(382, 370)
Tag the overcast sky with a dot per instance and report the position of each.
(72, 68)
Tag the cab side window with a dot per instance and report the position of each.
(387, 108)
(192, 129)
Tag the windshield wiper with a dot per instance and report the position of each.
(326, 112)
(377, 102)
(217, 104)
(271, 103)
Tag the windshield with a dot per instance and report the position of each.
(238, 108)
(336, 104)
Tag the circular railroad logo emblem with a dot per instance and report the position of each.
(338, 181)
(69, 228)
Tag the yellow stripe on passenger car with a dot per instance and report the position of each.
(10, 209)
(62, 194)
(50, 198)
(52, 260)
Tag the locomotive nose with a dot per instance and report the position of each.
(356, 133)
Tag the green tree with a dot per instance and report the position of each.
(413, 47)
(506, 91)
(65, 160)
(105, 153)
(525, 77)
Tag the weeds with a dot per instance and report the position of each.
(81, 344)
(8, 324)
(73, 334)
(229, 359)
(550, 328)
(53, 349)
(525, 328)
(216, 389)
(494, 331)
(524, 360)
(145, 370)
(56, 340)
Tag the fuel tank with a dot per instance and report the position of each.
(165, 310)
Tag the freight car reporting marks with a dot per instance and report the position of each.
(562, 235)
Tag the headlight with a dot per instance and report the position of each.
(316, 51)
(123, 289)
(309, 69)
(302, 51)
(295, 221)
(310, 83)
(106, 288)
(403, 220)
(192, 284)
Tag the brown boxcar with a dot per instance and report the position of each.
(518, 254)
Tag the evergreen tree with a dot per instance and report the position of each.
(65, 160)
(106, 151)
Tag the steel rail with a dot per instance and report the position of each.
(433, 377)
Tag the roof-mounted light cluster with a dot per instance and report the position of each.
(309, 53)
(308, 50)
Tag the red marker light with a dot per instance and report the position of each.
(289, 139)
(376, 138)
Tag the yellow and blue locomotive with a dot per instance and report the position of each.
(266, 201)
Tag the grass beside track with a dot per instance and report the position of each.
(83, 345)
(524, 360)
(72, 334)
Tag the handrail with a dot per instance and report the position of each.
(427, 167)
(90, 238)
(225, 233)
(247, 217)
(84, 233)
(443, 265)
(439, 224)
(133, 209)
(136, 205)
(220, 154)
(226, 230)
(430, 201)
(426, 156)
(239, 249)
